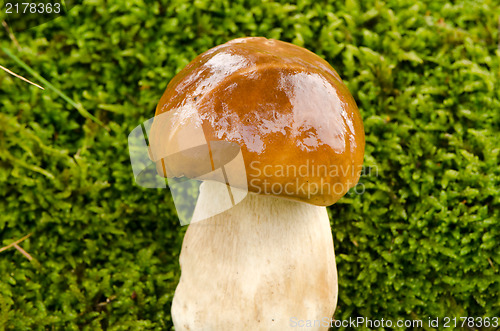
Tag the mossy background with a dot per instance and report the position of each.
(422, 241)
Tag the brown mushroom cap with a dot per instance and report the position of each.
(299, 129)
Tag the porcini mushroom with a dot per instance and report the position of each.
(268, 263)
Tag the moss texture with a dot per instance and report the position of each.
(421, 241)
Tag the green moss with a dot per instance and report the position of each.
(423, 239)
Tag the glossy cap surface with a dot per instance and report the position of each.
(298, 127)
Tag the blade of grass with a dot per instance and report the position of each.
(11, 35)
(22, 251)
(51, 87)
(20, 77)
(15, 242)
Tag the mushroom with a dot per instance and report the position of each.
(268, 262)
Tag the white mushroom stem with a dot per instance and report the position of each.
(266, 264)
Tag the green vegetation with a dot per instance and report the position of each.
(422, 241)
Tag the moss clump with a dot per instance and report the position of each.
(421, 241)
